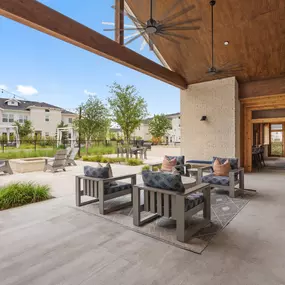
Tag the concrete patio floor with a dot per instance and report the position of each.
(55, 243)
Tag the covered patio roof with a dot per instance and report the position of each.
(254, 30)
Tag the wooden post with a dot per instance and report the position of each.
(119, 21)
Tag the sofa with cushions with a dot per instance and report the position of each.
(99, 183)
(166, 196)
(228, 181)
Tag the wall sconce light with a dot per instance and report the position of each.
(204, 118)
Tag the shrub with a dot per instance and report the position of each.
(103, 159)
(19, 194)
(145, 167)
(134, 161)
(27, 154)
(155, 168)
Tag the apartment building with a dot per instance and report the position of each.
(44, 117)
(173, 135)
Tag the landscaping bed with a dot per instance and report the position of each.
(19, 194)
(120, 160)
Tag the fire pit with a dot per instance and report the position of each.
(32, 164)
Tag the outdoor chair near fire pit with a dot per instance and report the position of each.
(71, 156)
(102, 188)
(228, 183)
(56, 163)
(5, 166)
(166, 196)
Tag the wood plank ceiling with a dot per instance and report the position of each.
(255, 30)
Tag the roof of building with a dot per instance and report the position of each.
(167, 115)
(25, 104)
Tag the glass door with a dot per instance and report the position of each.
(276, 140)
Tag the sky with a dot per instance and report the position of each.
(38, 67)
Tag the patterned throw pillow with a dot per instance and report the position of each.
(96, 172)
(168, 164)
(163, 180)
(221, 169)
(110, 174)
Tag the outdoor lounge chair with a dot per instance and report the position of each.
(228, 183)
(180, 206)
(56, 163)
(71, 156)
(5, 166)
(102, 190)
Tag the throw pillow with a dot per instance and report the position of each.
(163, 180)
(168, 164)
(221, 169)
(110, 172)
(96, 172)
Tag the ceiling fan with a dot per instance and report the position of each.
(165, 28)
(226, 69)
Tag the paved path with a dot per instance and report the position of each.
(53, 243)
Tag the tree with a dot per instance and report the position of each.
(159, 126)
(128, 108)
(94, 122)
(24, 129)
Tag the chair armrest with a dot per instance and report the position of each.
(238, 170)
(107, 179)
(194, 189)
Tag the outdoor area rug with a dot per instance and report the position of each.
(224, 209)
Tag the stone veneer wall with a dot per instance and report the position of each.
(219, 135)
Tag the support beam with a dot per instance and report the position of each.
(119, 21)
(40, 17)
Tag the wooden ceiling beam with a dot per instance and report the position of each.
(119, 21)
(40, 17)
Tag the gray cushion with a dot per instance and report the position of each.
(96, 172)
(193, 201)
(217, 180)
(120, 186)
(163, 180)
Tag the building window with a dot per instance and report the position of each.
(22, 118)
(70, 120)
(47, 134)
(47, 110)
(47, 118)
(11, 118)
(5, 118)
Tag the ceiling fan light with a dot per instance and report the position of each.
(226, 43)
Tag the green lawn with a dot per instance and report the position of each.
(277, 148)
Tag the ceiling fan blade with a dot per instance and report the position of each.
(171, 9)
(127, 29)
(130, 36)
(179, 23)
(175, 35)
(134, 19)
(133, 39)
(168, 38)
(181, 28)
(176, 15)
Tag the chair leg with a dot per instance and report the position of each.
(232, 185)
(207, 203)
(136, 206)
(101, 197)
(180, 218)
(77, 192)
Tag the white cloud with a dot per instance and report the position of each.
(3, 86)
(27, 90)
(119, 74)
(90, 93)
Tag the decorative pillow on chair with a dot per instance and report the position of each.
(96, 172)
(221, 169)
(168, 164)
(163, 180)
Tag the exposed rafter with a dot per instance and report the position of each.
(40, 17)
(119, 21)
